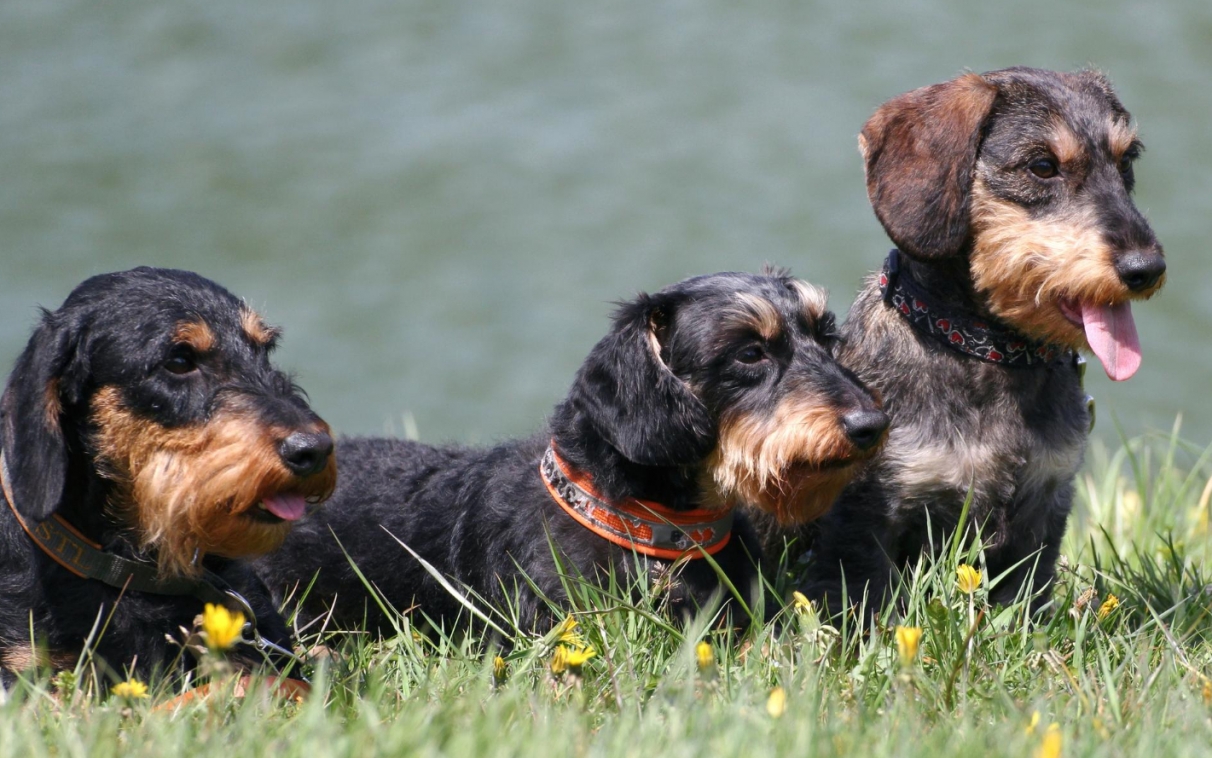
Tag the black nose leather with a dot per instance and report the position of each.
(1140, 270)
(865, 428)
(305, 454)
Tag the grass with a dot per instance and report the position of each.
(1133, 680)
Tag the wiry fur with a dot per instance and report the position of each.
(256, 328)
(144, 414)
(183, 489)
(949, 175)
(648, 416)
(790, 463)
(1025, 266)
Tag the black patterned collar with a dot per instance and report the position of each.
(960, 330)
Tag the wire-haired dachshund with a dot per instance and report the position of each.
(146, 446)
(1009, 198)
(714, 391)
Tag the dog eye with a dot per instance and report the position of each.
(181, 361)
(1045, 168)
(751, 354)
(1125, 164)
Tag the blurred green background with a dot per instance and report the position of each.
(439, 200)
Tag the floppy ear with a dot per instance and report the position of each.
(919, 151)
(633, 400)
(48, 372)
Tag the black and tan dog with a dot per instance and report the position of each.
(716, 390)
(146, 442)
(1008, 196)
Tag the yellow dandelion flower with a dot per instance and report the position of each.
(1207, 693)
(967, 578)
(1109, 605)
(565, 658)
(1033, 723)
(800, 602)
(559, 660)
(1052, 744)
(223, 628)
(577, 656)
(907, 639)
(777, 702)
(568, 626)
(499, 669)
(131, 689)
(704, 655)
(567, 633)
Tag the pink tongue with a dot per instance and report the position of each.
(1111, 333)
(286, 507)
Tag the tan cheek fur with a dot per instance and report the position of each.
(773, 462)
(185, 490)
(1025, 266)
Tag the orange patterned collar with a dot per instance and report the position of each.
(646, 527)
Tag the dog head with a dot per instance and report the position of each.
(732, 375)
(151, 391)
(1027, 175)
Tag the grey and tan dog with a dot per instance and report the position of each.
(1008, 196)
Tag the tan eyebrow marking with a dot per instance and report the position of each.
(813, 299)
(1121, 136)
(756, 313)
(196, 334)
(256, 329)
(1064, 143)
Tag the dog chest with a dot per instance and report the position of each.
(1002, 462)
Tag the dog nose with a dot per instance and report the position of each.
(305, 454)
(865, 428)
(1140, 270)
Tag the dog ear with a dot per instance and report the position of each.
(47, 374)
(919, 151)
(632, 399)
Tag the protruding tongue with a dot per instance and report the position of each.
(1111, 333)
(286, 507)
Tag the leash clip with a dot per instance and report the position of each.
(250, 636)
(242, 606)
(264, 646)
